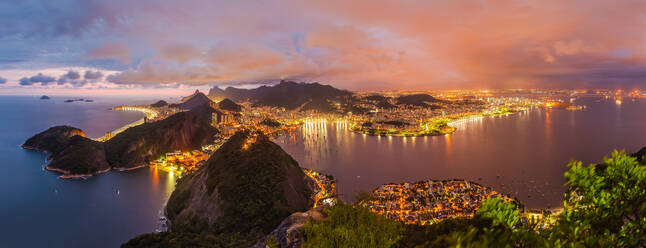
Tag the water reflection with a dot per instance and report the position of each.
(523, 154)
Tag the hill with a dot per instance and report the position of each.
(137, 145)
(75, 155)
(195, 100)
(287, 94)
(160, 103)
(419, 100)
(229, 105)
(244, 192)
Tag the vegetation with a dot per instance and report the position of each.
(136, 145)
(352, 226)
(72, 152)
(81, 156)
(244, 191)
(605, 206)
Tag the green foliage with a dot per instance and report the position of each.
(352, 226)
(605, 205)
(440, 124)
(250, 188)
(501, 213)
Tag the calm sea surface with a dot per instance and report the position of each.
(524, 155)
(39, 210)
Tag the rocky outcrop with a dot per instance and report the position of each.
(288, 234)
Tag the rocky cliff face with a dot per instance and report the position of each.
(73, 154)
(288, 234)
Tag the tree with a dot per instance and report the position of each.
(352, 226)
(605, 205)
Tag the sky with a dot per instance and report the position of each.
(178, 46)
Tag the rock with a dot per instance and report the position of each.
(288, 234)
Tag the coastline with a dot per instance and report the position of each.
(131, 168)
(397, 133)
(403, 134)
(68, 175)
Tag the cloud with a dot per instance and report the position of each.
(25, 82)
(39, 78)
(92, 75)
(180, 53)
(111, 51)
(73, 75)
(3, 80)
(353, 44)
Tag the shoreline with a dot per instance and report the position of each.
(400, 134)
(68, 175)
(453, 129)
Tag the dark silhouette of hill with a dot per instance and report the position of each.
(287, 94)
(420, 100)
(195, 100)
(74, 154)
(229, 105)
(242, 193)
(160, 103)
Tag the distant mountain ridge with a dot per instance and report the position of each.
(287, 94)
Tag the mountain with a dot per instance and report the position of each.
(137, 145)
(193, 101)
(75, 155)
(380, 101)
(160, 103)
(229, 105)
(287, 94)
(420, 100)
(242, 193)
(207, 110)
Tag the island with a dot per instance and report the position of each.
(44, 97)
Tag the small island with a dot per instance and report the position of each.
(44, 97)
